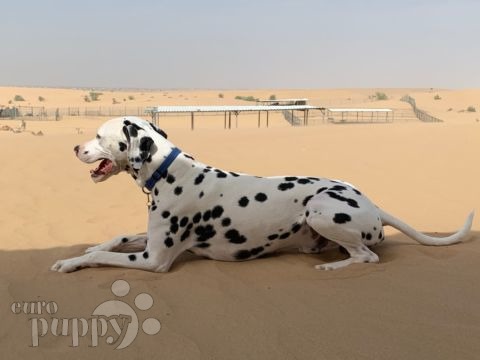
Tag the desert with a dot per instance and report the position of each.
(418, 302)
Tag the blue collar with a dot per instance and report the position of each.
(162, 169)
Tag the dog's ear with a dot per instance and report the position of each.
(140, 147)
(160, 131)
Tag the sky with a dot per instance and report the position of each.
(215, 44)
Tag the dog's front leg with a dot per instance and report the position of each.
(158, 256)
(124, 243)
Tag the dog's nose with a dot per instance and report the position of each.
(76, 148)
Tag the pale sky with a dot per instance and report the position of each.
(240, 44)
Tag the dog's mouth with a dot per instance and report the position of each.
(105, 168)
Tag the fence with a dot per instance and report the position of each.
(291, 118)
(420, 114)
(41, 113)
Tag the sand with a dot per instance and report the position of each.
(418, 302)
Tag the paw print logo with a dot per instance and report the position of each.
(117, 311)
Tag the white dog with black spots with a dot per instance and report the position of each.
(227, 216)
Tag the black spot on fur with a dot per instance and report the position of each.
(261, 197)
(341, 218)
(188, 156)
(122, 146)
(284, 235)
(257, 250)
(174, 219)
(184, 221)
(199, 179)
(303, 181)
(174, 228)
(168, 242)
(133, 131)
(338, 188)
(273, 237)
(203, 245)
(196, 218)
(185, 235)
(220, 174)
(321, 189)
(145, 255)
(363, 235)
(178, 190)
(170, 179)
(132, 257)
(154, 207)
(286, 186)
(307, 213)
(291, 178)
(357, 192)
(155, 191)
(201, 194)
(350, 202)
(234, 174)
(296, 227)
(217, 211)
(207, 215)
(243, 202)
(124, 240)
(206, 170)
(165, 214)
(234, 237)
(226, 221)
(205, 232)
(306, 200)
(242, 254)
(145, 143)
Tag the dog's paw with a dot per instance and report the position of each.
(66, 266)
(324, 267)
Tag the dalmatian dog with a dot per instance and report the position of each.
(224, 215)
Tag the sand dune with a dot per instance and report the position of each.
(419, 302)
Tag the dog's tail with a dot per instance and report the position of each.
(460, 235)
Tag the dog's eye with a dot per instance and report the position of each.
(98, 136)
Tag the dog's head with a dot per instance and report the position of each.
(122, 144)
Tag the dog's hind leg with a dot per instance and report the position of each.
(126, 244)
(346, 225)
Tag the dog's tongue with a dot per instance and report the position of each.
(102, 169)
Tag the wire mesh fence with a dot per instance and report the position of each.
(54, 114)
(420, 114)
(42, 113)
